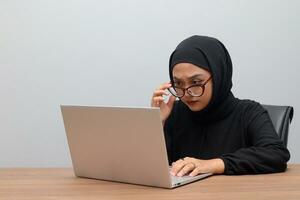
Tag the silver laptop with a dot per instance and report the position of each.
(120, 144)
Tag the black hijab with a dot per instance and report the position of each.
(209, 54)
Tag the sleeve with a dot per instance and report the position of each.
(168, 138)
(168, 131)
(265, 153)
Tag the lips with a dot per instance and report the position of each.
(192, 102)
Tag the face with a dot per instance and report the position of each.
(186, 75)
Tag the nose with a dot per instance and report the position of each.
(187, 96)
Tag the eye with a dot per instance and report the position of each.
(177, 83)
(197, 82)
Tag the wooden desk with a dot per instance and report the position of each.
(60, 183)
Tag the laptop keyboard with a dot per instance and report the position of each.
(176, 179)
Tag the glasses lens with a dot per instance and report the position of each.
(195, 91)
(177, 92)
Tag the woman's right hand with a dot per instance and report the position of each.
(158, 101)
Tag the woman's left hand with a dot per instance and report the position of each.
(193, 167)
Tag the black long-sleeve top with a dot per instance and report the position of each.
(245, 139)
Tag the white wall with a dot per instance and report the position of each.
(116, 52)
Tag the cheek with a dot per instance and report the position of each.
(206, 97)
(208, 92)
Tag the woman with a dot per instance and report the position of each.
(208, 129)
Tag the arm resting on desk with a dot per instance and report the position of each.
(266, 152)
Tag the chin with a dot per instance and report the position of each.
(195, 108)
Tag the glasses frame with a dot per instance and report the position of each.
(188, 91)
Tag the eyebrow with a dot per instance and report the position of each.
(191, 77)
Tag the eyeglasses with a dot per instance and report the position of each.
(196, 90)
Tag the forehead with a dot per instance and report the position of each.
(187, 70)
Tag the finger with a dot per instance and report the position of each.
(187, 158)
(171, 101)
(159, 93)
(176, 162)
(186, 169)
(156, 101)
(190, 159)
(164, 86)
(158, 98)
(196, 171)
(177, 166)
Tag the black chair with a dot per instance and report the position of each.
(281, 117)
